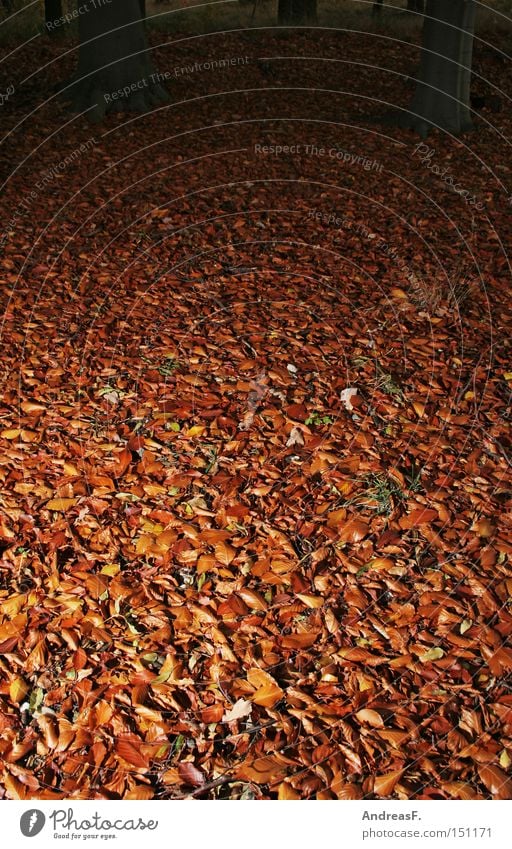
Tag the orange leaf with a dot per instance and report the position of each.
(311, 600)
(371, 717)
(385, 784)
(300, 641)
(253, 599)
(140, 792)
(354, 530)
(497, 782)
(286, 792)
(268, 691)
(422, 516)
(130, 751)
(224, 553)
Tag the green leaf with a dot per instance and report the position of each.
(36, 699)
(179, 743)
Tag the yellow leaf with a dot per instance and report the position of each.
(111, 569)
(196, 430)
(18, 690)
(10, 433)
(432, 654)
(505, 760)
(60, 504)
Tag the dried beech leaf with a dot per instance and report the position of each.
(190, 774)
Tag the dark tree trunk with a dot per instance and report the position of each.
(377, 8)
(416, 6)
(296, 12)
(142, 6)
(52, 10)
(442, 96)
(52, 13)
(115, 70)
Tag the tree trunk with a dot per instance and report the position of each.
(416, 6)
(52, 13)
(377, 8)
(296, 12)
(52, 10)
(442, 93)
(142, 5)
(115, 70)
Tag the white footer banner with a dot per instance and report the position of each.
(257, 825)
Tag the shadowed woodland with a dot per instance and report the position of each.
(255, 492)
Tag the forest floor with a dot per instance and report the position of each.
(255, 432)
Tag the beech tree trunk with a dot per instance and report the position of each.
(52, 13)
(442, 96)
(115, 69)
(296, 12)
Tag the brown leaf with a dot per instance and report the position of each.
(353, 530)
(370, 717)
(190, 774)
(129, 750)
(264, 770)
(416, 518)
(497, 782)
